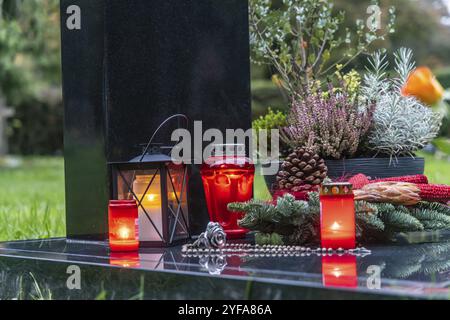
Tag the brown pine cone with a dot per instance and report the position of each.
(302, 170)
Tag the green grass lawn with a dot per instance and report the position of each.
(32, 200)
(437, 171)
(32, 196)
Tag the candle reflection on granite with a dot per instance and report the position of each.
(125, 260)
(339, 271)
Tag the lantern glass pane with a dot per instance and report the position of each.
(145, 187)
(177, 201)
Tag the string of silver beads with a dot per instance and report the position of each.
(245, 249)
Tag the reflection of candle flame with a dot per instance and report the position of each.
(124, 233)
(335, 226)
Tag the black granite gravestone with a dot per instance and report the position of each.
(127, 66)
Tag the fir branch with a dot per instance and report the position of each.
(426, 215)
(369, 227)
(430, 225)
(435, 206)
(399, 221)
(268, 239)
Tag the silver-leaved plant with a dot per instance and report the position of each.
(401, 125)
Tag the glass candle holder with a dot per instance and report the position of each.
(339, 271)
(227, 177)
(123, 225)
(337, 216)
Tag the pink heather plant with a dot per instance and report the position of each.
(331, 123)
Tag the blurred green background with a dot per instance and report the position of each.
(32, 181)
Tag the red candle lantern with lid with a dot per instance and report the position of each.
(337, 216)
(123, 225)
(227, 176)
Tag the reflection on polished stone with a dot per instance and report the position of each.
(339, 271)
(398, 271)
(125, 260)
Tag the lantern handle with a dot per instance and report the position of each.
(180, 115)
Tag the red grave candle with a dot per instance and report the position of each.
(227, 177)
(123, 225)
(339, 271)
(337, 216)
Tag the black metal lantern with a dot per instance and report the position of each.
(160, 188)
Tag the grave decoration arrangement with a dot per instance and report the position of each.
(373, 122)
(382, 209)
(377, 118)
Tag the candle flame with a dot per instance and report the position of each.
(335, 226)
(124, 233)
(151, 197)
(337, 272)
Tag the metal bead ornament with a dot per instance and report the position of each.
(213, 243)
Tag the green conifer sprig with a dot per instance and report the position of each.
(298, 222)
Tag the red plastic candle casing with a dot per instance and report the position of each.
(227, 179)
(339, 271)
(337, 216)
(123, 225)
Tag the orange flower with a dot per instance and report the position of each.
(423, 85)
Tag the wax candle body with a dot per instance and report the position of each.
(337, 214)
(339, 271)
(123, 226)
(151, 207)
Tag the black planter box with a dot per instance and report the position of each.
(372, 167)
(376, 167)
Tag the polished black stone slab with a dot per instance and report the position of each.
(30, 269)
(131, 65)
(86, 175)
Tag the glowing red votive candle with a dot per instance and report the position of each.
(339, 271)
(123, 225)
(337, 216)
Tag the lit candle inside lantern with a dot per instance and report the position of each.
(123, 225)
(337, 216)
(339, 271)
(151, 202)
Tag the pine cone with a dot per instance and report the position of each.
(399, 193)
(302, 170)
